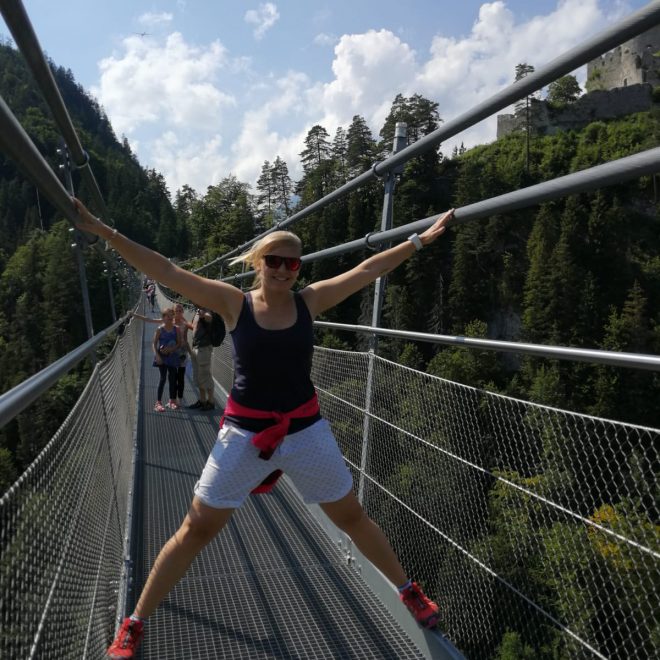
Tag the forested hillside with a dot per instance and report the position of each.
(41, 315)
(583, 271)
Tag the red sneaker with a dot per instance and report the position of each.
(425, 611)
(127, 641)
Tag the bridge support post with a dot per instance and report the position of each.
(400, 142)
(77, 246)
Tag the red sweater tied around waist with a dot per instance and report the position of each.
(268, 440)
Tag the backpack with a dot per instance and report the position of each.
(218, 331)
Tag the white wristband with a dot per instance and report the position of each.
(416, 241)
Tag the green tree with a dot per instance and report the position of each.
(317, 165)
(282, 188)
(184, 204)
(467, 366)
(563, 91)
(265, 197)
(340, 156)
(525, 109)
(622, 393)
(513, 648)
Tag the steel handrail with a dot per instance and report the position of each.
(594, 356)
(20, 397)
(616, 171)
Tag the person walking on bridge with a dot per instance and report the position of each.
(183, 326)
(167, 347)
(151, 295)
(271, 423)
(201, 354)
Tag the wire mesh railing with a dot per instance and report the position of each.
(64, 522)
(527, 523)
(522, 520)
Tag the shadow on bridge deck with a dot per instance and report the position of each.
(271, 585)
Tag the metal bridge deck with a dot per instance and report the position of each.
(271, 585)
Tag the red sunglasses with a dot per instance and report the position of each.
(275, 261)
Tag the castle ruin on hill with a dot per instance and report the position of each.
(619, 83)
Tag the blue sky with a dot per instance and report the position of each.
(217, 88)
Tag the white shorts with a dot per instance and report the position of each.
(311, 458)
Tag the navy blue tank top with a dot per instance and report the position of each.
(272, 368)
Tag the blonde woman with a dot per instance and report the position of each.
(272, 422)
(166, 346)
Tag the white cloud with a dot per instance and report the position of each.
(172, 89)
(166, 98)
(198, 163)
(262, 18)
(458, 73)
(172, 83)
(369, 70)
(258, 141)
(324, 39)
(322, 16)
(151, 18)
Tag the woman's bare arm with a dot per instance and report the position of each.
(323, 295)
(146, 318)
(222, 298)
(155, 346)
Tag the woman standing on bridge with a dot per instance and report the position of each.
(183, 326)
(272, 332)
(167, 346)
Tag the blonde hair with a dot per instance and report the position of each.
(262, 247)
(168, 310)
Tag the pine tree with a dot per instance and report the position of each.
(282, 188)
(361, 152)
(340, 157)
(229, 215)
(539, 313)
(317, 165)
(184, 203)
(317, 149)
(563, 91)
(63, 315)
(265, 197)
(624, 393)
(525, 109)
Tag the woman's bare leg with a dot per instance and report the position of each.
(349, 516)
(199, 527)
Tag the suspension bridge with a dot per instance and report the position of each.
(82, 526)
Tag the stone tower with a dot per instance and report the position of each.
(634, 62)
